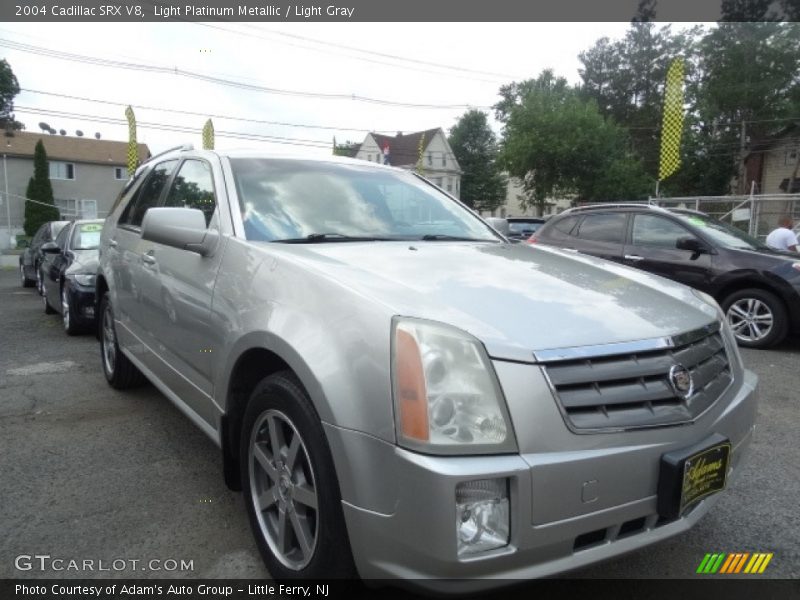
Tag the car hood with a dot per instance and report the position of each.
(516, 299)
(85, 261)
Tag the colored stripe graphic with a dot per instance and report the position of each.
(672, 125)
(735, 562)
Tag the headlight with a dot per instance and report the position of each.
(447, 398)
(84, 279)
(727, 334)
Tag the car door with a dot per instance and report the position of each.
(652, 247)
(54, 265)
(127, 253)
(181, 312)
(601, 235)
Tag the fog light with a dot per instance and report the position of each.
(482, 515)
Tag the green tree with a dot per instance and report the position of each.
(9, 88)
(40, 190)
(558, 143)
(474, 144)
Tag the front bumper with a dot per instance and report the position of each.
(81, 299)
(400, 505)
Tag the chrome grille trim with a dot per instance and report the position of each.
(618, 387)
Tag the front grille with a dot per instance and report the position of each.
(632, 389)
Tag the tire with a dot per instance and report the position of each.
(48, 310)
(758, 318)
(119, 371)
(280, 415)
(71, 326)
(26, 283)
(39, 281)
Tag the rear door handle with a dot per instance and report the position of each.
(634, 257)
(112, 243)
(148, 259)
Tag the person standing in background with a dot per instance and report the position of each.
(782, 237)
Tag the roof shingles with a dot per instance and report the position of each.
(73, 149)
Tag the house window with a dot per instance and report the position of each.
(437, 181)
(120, 173)
(503, 213)
(449, 186)
(444, 159)
(430, 158)
(68, 207)
(62, 170)
(88, 209)
(790, 158)
(369, 157)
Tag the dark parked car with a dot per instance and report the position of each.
(68, 274)
(757, 287)
(521, 228)
(31, 258)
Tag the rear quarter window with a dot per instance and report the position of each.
(603, 228)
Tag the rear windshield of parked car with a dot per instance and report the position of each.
(291, 199)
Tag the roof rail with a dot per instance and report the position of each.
(606, 205)
(182, 148)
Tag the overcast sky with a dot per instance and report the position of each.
(271, 55)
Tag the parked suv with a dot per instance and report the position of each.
(757, 287)
(398, 391)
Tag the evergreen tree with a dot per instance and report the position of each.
(40, 190)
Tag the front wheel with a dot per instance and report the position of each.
(288, 477)
(757, 317)
(120, 372)
(71, 326)
(24, 278)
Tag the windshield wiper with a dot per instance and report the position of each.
(441, 237)
(315, 238)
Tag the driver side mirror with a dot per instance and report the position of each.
(183, 228)
(50, 248)
(692, 244)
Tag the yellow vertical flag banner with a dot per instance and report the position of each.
(672, 125)
(420, 168)
(208, 135)
(133, 149)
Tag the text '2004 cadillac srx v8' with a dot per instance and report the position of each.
(399, 392)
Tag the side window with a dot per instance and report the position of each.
(61, 240)
(193, 187)
(603, 228)
(566, 225)
(147, 196)
(651, 230)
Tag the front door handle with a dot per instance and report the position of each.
(148, 259)
(634, 257)
(112, 243)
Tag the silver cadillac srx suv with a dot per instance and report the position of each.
(399, 391)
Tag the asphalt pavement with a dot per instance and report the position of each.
(90, 473)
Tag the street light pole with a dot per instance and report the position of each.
(8, 200)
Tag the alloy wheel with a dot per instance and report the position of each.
(751, 319)
(65, 308)
(109, 342)
(283, 489)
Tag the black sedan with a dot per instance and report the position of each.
(68, 274)
(31, 259)
(521, 228)
(758, 288)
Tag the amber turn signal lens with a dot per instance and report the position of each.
(413, 402)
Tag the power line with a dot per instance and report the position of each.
(183, 129)
(93, 60)
(202, 114)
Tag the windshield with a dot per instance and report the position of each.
(523, 226)
(722, 233)
(86, 236)
(317, 201)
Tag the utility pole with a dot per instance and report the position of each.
(7, 199)
(742, 141)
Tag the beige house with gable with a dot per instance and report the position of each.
(439, 164)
